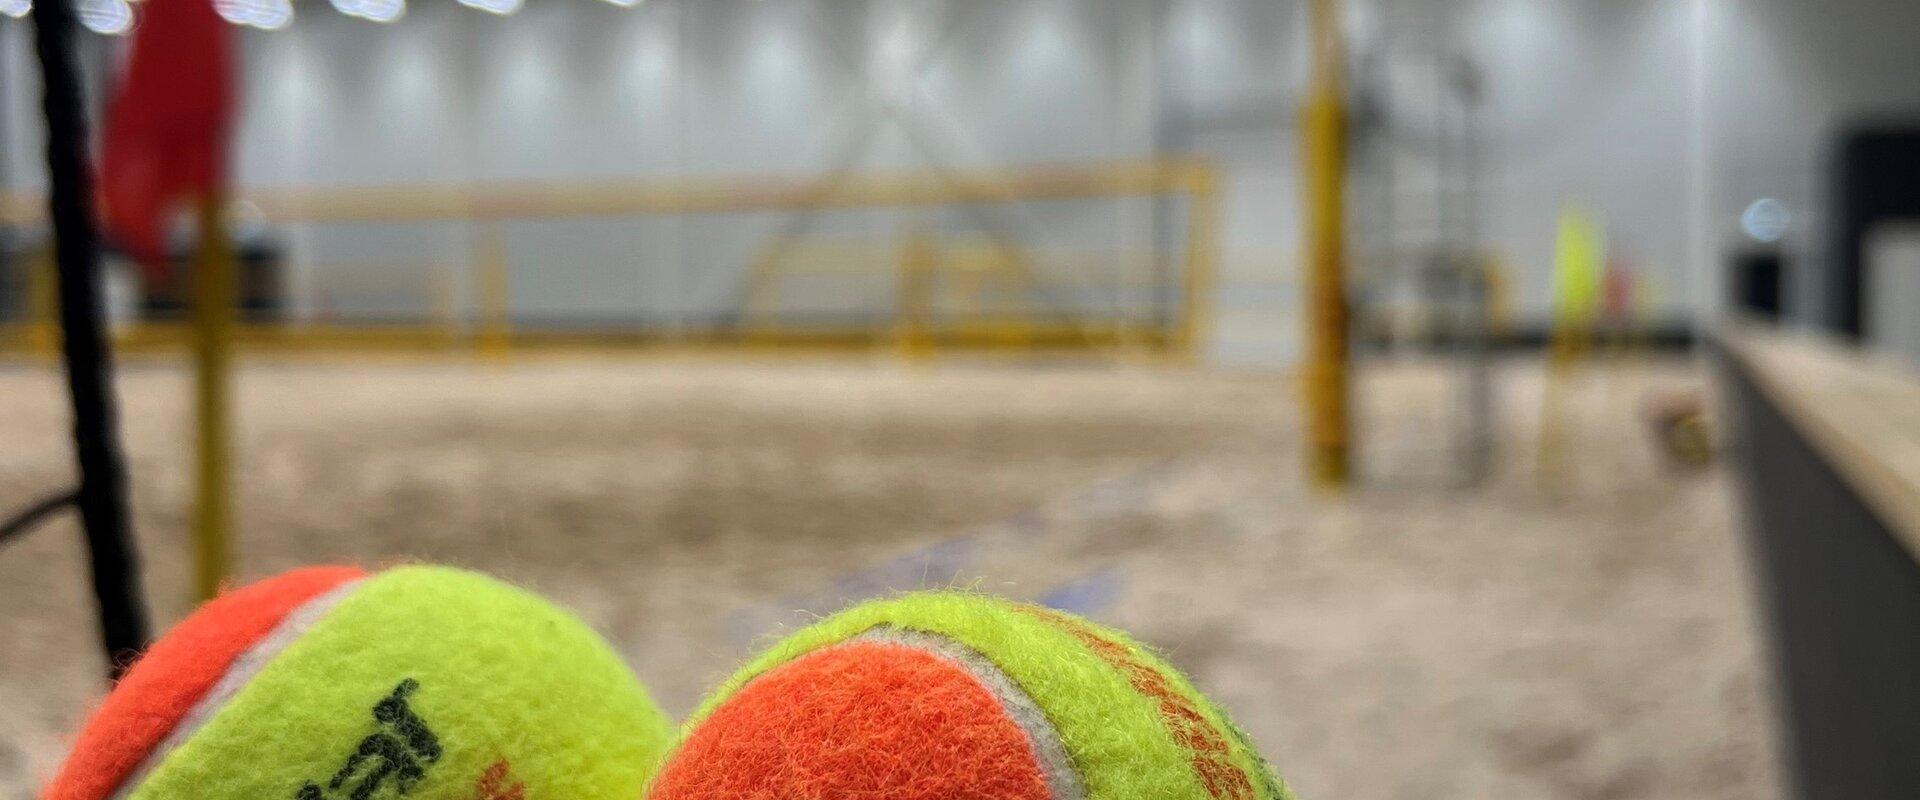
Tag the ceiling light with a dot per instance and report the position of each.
(109, 17)
(382, 10)
(272, 15)
(502, 7)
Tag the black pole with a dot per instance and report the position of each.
(102, 494)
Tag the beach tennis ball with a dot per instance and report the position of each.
(947, 695)
(331, 683)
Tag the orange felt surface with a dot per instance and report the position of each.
(857, 720)
(174, 673)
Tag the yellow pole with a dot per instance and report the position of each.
(1323, 136)
(43, 326)
(213, 302)
(1203, 236)
(918, 262)
(445, 278)
(495, 339)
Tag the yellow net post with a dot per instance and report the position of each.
(213, 312)
(1203, 235)
(444, 286)
(1324, 144)
(919, 258)
(43, 326)
(495, 339)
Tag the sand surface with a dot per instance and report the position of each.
(1582, 633)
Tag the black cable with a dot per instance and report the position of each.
(101, 497)
(33, 514)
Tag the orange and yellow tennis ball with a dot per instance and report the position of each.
(331, 683)
(954, 695)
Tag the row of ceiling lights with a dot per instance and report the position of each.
(115, 17)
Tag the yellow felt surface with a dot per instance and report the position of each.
(502, 677)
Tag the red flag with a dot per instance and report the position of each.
(167, 126)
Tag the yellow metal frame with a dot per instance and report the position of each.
(489, 205)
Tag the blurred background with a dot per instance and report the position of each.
(709, 316)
